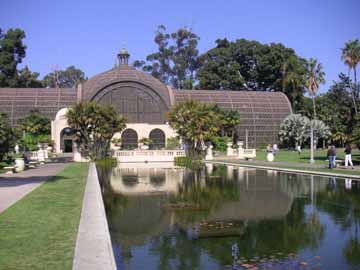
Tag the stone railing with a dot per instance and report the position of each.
(147, 155)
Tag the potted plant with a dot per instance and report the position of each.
(19, 162)
(116, 143)
(144, 143)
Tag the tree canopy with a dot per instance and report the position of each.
(6, 135)
(12, 52)
(176, 59)
(94, 126)
(194, 122)
(67, 78)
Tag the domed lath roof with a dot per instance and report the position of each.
(123, 73)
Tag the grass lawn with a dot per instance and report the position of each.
(39, 231)
(319, 156)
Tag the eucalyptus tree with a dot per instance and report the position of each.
(176, 60)
(351, 57)
(195, 123)
(314, 77)
(94, 126)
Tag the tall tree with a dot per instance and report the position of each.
(12, 52)
(35, 124)
(176, 60)
(67, 78)
(314, 77)
(293, 71)
(351, 57)
(251, 65)
(28, 79)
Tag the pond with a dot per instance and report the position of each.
(223, 217)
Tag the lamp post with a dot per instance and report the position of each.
(312, 145)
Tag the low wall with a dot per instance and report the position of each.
(148, 155)
(93, 249)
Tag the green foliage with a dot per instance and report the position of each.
(94, 127)
(12, 52)
(35, 124)
(355, 137)
(195, 122)
(145, 141)
(67, 78)
(176, 60)
(293, 130)
(314, 77)
(6, 135)
(172, 143)
(220, 143)
(250, 65)
(351, 57)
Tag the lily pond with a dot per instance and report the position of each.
(222, 217)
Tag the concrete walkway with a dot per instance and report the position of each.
(14, 187)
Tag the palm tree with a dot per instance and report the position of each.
(293, 78)
(351, 57)
(314, 77)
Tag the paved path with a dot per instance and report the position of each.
(13, 187)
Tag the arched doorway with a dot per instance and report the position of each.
(157, 138)
(129, 139)
(66, 140)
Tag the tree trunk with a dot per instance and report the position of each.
(313, 100)
(355, 94)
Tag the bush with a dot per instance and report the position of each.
(220, 143)
(172, 143)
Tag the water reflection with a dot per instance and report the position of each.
(165, 217)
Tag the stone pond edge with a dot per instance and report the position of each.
(307, 172)
(93, 250)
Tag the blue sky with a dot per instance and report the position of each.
(88, 34)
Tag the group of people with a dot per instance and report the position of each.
(331, 154)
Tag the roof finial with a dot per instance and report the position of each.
(123, 57)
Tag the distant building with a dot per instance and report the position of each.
(145, 101)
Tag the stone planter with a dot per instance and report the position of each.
(270, 157)
(19, 164)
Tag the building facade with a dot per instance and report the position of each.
(145, 101)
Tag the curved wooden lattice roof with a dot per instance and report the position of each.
(261, 112)
(18, 102)
(124, 73)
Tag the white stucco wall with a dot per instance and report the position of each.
(142, 129)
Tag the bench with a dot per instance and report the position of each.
(9, 169)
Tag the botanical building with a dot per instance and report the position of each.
(145, 101)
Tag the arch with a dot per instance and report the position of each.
(67, 137)
(157, 138)
(129, 139)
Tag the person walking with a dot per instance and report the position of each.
(348, 159)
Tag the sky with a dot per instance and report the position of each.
(89, 33)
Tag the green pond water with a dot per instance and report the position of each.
(216, 217)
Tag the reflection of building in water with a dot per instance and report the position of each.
(260, 197)
(146, 178)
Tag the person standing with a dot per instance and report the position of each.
(331, 153)
(348, 159)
